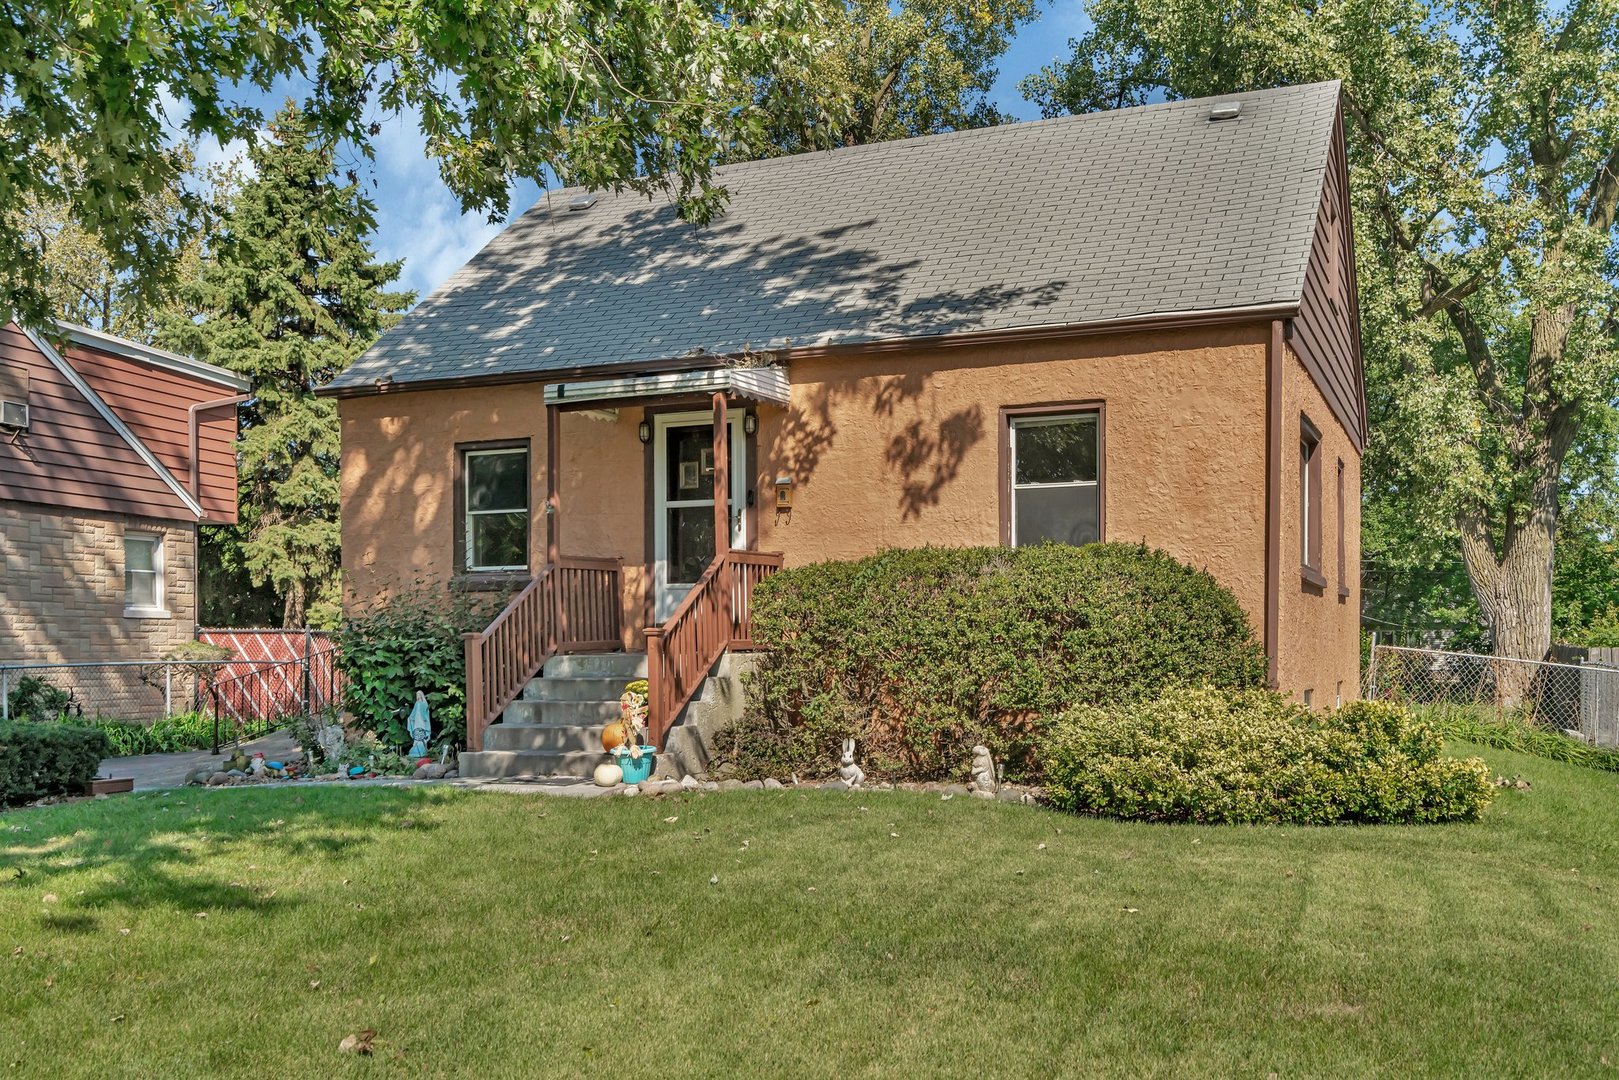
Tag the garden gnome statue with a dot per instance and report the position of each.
(419, 726)
(984, 780)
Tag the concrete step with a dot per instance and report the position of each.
(583, 713)
(496, 764)
(574, 688)
(624, 666)
(548, 737)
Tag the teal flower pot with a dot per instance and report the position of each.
(637, 770)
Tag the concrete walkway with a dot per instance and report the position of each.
(154, 772)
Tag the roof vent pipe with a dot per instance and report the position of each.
(1225, 110)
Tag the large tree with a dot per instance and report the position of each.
(889, 71)
(291, 295)
(1484, 143)
(640, 93)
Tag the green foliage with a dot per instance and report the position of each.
(640, 95)
(889, 71)
(291, 296)
(168, 735)
(406, 642)
(1484, 145)
(36, 698)
(922, 653)
(1256, 757)
(1487, 727)
(39, 760)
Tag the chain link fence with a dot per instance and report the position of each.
(1579, 699)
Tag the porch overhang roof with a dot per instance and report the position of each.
(762, 384)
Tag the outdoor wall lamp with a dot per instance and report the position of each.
(645, 431)
(750, 422)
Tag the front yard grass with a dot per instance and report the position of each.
(247, 932)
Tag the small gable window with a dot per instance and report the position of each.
(1056, 489)
(494, 500)
(1310, 501)
(143, 576)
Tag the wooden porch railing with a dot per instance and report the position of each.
(573, 605)
(717, 615)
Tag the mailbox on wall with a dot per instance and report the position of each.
(784, 492)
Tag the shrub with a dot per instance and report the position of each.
(1257, 757)
(922, 653)
(169, 735)
(408, 642)
(1487, 727)
(38, 760)
(36, 698)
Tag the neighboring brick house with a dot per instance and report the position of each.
(111, 454)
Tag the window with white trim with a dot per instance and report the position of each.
(143, 575)
(495, 498)
(1056, 479)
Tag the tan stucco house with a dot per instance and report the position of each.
(1136, 325)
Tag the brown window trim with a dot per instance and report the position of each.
(478, 580)
(1053, 408)
(1310, 506)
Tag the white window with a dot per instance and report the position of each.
(496, 501)
(1056, 479)
(143, 576)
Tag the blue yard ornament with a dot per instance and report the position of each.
(419, 726)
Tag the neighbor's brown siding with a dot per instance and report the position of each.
(70, 457)
(1326, 334)
(155, 404)
(1319, 626)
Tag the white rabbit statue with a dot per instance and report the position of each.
(852, 774)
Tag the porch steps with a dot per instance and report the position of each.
(554, 727)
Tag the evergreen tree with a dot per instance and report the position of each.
(291, 295)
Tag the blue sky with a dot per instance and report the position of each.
(419, 221)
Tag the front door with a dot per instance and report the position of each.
(683, 502)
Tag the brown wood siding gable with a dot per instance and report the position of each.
(1326, 332)
(70, 457)
(154, 404)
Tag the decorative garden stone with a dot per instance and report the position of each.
(420, 726)
(984, 778)
(330, 740)
(852, 774)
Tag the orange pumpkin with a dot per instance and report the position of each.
(615, 734)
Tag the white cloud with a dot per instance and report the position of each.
(419, 220)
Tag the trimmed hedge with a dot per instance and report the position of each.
(1257, 757)
(38, 760)
(921, 653)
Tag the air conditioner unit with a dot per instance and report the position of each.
(14, 414)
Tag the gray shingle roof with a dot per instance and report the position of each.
(1149, 210)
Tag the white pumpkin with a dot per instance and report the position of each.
(608, 774)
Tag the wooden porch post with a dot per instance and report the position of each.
(722, 479)
(553, 484)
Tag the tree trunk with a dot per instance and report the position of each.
(293, 615)
(1514, 592)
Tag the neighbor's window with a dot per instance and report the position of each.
(496, 502)
(1056, 479)
(1310, 499)
(143, 574)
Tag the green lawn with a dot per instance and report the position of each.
(248, 931)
